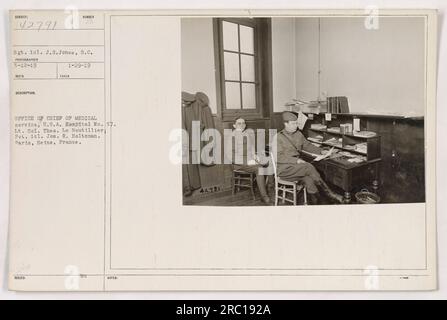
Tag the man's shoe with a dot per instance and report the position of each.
(312, 199)
(331, 194)
(336, 197)
(266, 200)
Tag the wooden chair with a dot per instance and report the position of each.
(287, 191)
(244, 180)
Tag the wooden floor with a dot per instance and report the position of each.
(227, 199)
(402, 191)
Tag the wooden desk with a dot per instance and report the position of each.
(348, 176)
(342, 173)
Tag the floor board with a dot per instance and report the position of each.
(227, 199)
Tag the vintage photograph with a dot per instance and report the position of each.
(303, 110)
(242, 150)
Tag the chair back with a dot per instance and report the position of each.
(275, 169)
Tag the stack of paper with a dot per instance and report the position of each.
(361, 147)
(318, 126)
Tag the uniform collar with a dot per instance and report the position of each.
(284, 131)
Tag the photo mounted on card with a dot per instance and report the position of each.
(241, 112)
(223, 150)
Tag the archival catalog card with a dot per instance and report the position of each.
(161, 150)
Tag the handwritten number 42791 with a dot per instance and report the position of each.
(37, 25)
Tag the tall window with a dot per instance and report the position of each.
(238, 58)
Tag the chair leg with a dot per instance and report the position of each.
(276, 194)
(233, 187)
(305, 196)
(294, 195)
(252, 186)
(252, 189)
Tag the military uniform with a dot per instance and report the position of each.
(243, 158)
(288, 153)
(288, 147)
(243, 152)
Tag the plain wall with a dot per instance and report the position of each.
(380, 71)
(283, 61)
(307, 58)
(198, 68)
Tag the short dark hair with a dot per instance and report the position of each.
(237, 118)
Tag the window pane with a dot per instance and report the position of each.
(247, 39)
(231, 63)
(233, 95)
(230, 36)
(248, 96)
(248, 68)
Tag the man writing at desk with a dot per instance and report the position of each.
(290, 143)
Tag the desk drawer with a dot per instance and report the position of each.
(338, 177)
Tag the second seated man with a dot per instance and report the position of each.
(291, 167)
(244, 155)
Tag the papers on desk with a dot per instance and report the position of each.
(361, 147)
(340, 156)
(316, 139)
(319, 157)
(365, 134)
(302, 118)
(352, 158)
(318, 126)
(334, 142)
(355, 160)
(334, 129)
(324, 156)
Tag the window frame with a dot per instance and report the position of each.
(224, 112)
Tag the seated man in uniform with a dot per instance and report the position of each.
(244, 155)
(291, 167)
